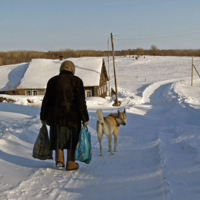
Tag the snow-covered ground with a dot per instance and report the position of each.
(158, 150)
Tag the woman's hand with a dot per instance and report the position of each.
(85, 123)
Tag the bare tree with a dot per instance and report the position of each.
(154, 50)
(139, 52)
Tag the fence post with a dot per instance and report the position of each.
(193, 67)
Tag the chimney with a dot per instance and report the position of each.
(61, 57)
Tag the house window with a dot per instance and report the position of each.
(88, 93)
(102, 90)
(28, 92)
(34, 92)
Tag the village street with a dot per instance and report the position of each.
(145, 166)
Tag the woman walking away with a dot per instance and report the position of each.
(63, 109)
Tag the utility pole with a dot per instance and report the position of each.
(192, 73)
(116, 103)
(109, 69)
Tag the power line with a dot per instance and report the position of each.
(161, 33)
(157, 37)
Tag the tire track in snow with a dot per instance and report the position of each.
(172, 120)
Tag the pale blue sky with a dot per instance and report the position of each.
(44, 25)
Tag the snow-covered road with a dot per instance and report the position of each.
(158, 154)
(177, 131)
(145, 166)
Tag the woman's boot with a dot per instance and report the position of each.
(71, 165)
(59, 158)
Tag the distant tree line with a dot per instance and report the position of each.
(13, 57)
(164, 52)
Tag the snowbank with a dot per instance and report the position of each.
(34, 101)
(187, 93)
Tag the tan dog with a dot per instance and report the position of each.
(109, 125)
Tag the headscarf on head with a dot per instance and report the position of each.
(68, 66)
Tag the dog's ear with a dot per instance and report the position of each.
(124, 111)
(118, 112)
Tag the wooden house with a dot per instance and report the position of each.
(99, 90)
(91, 70)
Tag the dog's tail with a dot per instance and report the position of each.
(99, 116)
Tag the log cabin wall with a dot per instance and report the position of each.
(31, 91)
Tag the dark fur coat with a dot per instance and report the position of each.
(64, 102)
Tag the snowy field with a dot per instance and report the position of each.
(158, 154)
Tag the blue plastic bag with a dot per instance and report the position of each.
(83, 151)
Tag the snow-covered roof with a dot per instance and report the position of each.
(10, 75)
(40, 71)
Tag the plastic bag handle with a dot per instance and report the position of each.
(85, 127)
